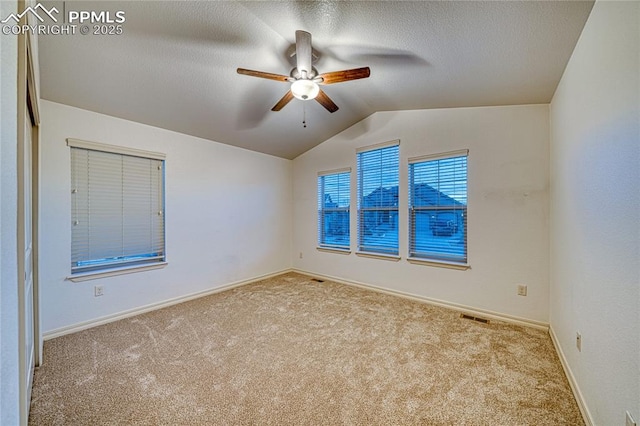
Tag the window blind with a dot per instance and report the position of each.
(334, 199)
(378, 171)
(117, 210)
(438, 207)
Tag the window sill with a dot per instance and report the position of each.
(439, 263)
(333, 250)
(391, 257)
(86, 276)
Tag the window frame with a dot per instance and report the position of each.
(136, 263)
(322, 244)
(435, 259)
(366, 250)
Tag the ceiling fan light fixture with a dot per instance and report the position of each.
(305, 89)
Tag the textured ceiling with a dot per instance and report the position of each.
(175, 64)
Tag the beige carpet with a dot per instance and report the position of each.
(292, 351)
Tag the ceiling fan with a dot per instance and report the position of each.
(304, 78)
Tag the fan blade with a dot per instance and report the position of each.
(267, 75)
(303, 52)
(282, 102)
(345, 75)
(326, 102)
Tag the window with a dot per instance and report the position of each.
(334, 198)
(117, 207)
(378, 170)
(438, 207)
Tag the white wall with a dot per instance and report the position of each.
(228, 215)
(507, 206)
(9, 380)
(595, 212)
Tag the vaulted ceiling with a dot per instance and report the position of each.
(174, 65)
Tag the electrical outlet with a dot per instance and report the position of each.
(630, 421)
(300, 255)
(579, 341)
(522, 290)
(98, 290)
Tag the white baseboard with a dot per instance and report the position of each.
(152, 307)
(457, 307)
(159, 305)
(582, 405)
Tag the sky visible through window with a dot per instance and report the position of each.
(336, 189)
(455, 188)
(448, 175)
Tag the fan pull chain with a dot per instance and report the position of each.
(304, 116)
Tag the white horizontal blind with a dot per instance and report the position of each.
(117, 210)
(438, 208)
(378, 172)
(334, 199)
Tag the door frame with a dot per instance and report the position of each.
(28, 106)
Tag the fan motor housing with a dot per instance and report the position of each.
(297, 75)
